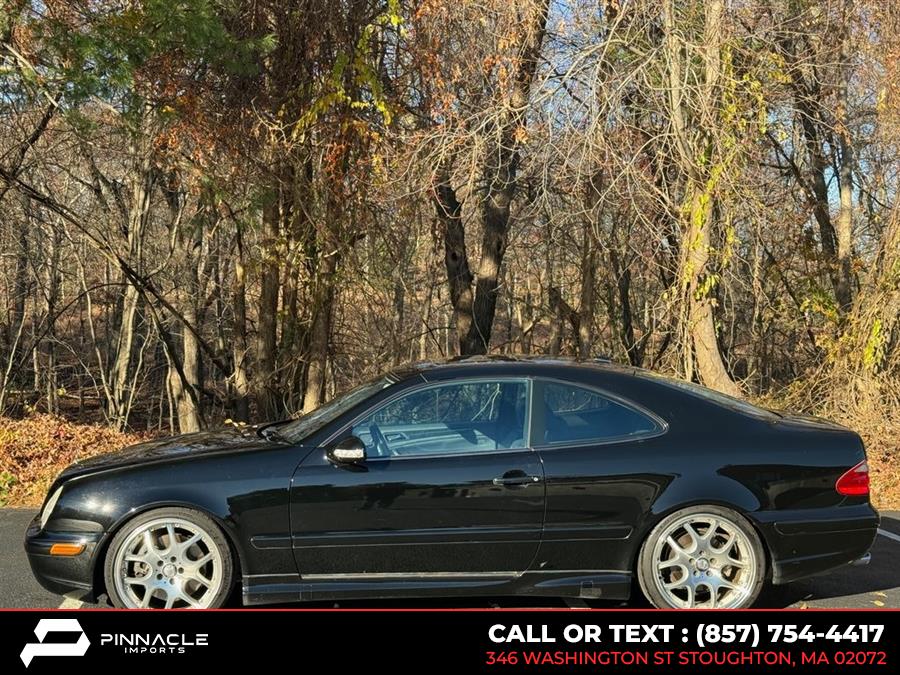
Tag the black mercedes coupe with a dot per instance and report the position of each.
(476, 477)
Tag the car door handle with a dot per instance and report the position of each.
(517, 480)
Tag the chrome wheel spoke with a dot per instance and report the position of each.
(680, 552)
(724, 548)
(201, 561)
(185, 545)
(734, 562)
(148, 542)
(170, 530)
(695, 538)
(681, 582)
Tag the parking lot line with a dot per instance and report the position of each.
(889, 535)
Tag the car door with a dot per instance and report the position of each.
(449, 486)
(601, 481)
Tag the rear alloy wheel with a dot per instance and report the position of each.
(702, 557)
(171, 558)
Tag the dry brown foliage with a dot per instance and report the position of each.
(35, 449)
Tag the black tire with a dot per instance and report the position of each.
(214, 541)
(647, 568)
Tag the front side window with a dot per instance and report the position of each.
(573, 414)
(475, 416)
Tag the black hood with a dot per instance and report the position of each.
(172, 447)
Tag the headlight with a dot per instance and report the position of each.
(49, 506)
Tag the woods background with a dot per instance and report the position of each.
(233, 209)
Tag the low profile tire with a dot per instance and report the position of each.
(169, 558)
(702, 557)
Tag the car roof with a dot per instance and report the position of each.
(505, 363)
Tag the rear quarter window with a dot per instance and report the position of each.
(573, 414)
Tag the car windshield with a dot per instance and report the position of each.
(310, 423)
(718, 397)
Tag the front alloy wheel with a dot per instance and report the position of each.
(702, 557)
(169, 559)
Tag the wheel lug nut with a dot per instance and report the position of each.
(173, 558)
(180, 570)
(172, 581)
(159, 576)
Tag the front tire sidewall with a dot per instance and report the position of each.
(646, 566)
(198, 518)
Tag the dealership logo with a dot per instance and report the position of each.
(41, 648)
(154, 643)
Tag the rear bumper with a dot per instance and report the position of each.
(61, 574)
(804, 543)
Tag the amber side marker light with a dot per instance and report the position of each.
(66, 549)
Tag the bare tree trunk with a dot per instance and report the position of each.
(240, 349)
(588, 281)
(186, 402)
(563, 314)
(52, 295)
(12, 336)
(836, 241)
(456, 259)
(138, 214)
(622, 277)
(873, 340)
(121, 366)
(399, 304)
(844, 290)
(475, 311)
(698, 282)
(320, 334)
(266, 384)
(701, 316)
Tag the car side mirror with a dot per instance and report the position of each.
(351, 450)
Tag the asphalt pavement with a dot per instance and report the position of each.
(871, 586)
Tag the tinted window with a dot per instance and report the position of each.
(451, 418)
(573, 414)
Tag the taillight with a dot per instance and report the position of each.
(855, 481)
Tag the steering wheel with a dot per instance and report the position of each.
(381, 444)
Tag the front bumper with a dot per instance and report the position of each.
(62, 574)
(804, 543)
